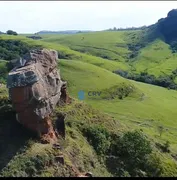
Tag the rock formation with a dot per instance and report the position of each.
(35, 89)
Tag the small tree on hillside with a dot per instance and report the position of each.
(10, 32)
(160, 130)
(132, 149)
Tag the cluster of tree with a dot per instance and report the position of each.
(127, 29)
(168, 26)
(134, 48)
(34, 37)
(163, 81)
(12, 49)
(122, 154)
(173, 46)
(139, 40)
(10, 32)
(129, 154)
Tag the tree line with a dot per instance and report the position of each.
(166, 81)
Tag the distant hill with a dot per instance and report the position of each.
(2, 32)
(63, 32)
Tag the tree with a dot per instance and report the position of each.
(132, 149)
(10, 32)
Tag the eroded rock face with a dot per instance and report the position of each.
(35, 88)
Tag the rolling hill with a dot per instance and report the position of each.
(156, 57)
(142, 51)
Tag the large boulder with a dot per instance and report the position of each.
(35, 89)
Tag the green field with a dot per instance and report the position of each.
(108, 44)
(153, 106)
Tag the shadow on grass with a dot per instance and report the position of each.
(13, 138)
(114, 165)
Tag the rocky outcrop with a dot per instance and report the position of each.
(35, 89)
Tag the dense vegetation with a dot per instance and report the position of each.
(168, 26)
(127, 29)
(3, 71)
(34, 37)
(166, 81)
(12, 49)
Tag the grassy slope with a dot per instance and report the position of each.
(110, 44)
(24, 156)
(156, 57)
(157, 106)
(74, 55)
(87, 77)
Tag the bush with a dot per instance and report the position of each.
(98, 137)
(3, 72)
(154, 165)
(34, 37)
(132, 148)
(27, 166)
(13, 49)
(160, 166)
(132, 155)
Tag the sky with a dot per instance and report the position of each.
(34, 16)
